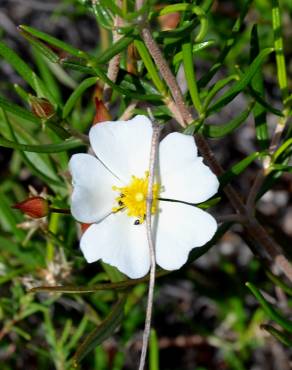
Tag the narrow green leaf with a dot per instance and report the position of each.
(45, 148)
(77, 333)
(279, 50)
(269, 309)
(39, 166)
(103, 16)
(102, 332)
(47, 76)
(77, 93)
(282, 337)
(126, 92)
(130, 16)
(21, 93)
(25, 72)
(77, 65)
(143, 86)
(190, 74)
(9, 220)
(22, 113)
(236, 31)
(218, 131)
(111, 6)
(279, 282)
(115, 49)
(54, 41)
(40, 46)
(259, 99)
(153, 351)
(18, 111)
(196, 48)
(24, 256)
(269, 182)
(282, 149)
(238, 168)
(257, 85)
(216, 88)
(150, 66)
(281, 167)
(242, 83)
(95, 288)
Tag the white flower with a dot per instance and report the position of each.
(110, 193)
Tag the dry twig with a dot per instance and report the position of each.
(151, 242)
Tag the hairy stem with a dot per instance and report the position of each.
(254, 228)
(114, 64)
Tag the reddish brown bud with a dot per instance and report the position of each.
(168, 21)
(84, 227)
(35, 207)
(101, 114)
(98, 92)
(132, 58)
(41, 107)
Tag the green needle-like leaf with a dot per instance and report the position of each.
(153, 351)
(218, 131)
(238, 168)
(95, 288)
(25, 72)
(242, 83)
(281, 336)
(54, 41)
(195, 49)
(45, 148)
(116, 48)
(77, 93)
(269, 309)
(257, 85)
(190, 74)
(236, 30)
(150, 66)
(102, 332)
(279, 50)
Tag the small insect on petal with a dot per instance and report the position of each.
(35, 207)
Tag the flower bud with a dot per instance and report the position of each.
(132, 58)
(169, 21)
(41, 107)
(84, 227)
(98, 91)
(35, 207)
(101, 114)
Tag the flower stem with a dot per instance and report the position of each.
(151, 243)
(60, 210)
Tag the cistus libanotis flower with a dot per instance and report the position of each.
(110, 190)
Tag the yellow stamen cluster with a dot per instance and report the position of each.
(133, 197)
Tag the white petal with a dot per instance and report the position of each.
(183, 174)
(117, 241)
(180, 228)
(93, 197)
(123, 146)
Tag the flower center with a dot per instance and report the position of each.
(133, 197)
